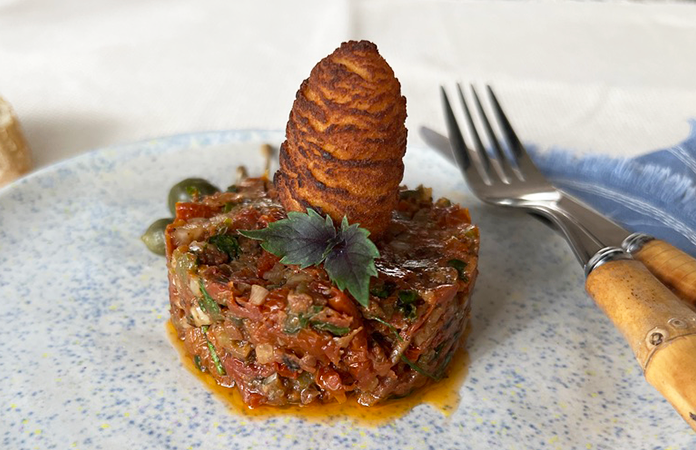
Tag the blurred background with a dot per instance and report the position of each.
(596, 77)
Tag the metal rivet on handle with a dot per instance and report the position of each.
(677, 323)
(656, 338)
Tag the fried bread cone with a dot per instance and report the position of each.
(345, 139)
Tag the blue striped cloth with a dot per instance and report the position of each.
(654, 193)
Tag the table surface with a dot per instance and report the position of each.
(600, 77)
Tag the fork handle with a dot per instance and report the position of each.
(670, 265)
(660, 328)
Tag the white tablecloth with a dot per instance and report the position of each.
(613, 78)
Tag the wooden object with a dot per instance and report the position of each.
(672, 266)
(15, 158)
(659, 327)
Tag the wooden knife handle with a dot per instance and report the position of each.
(672, 266)
(660, 328)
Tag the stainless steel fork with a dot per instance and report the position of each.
(510, 178)
(659, 326)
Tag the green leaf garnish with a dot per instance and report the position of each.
(208, 304)
(351, 263)
(302, 239)
(331, 328)
(226, 243)
(307, 239)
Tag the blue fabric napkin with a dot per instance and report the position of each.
(654, 193)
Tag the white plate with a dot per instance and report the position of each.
(85, 362)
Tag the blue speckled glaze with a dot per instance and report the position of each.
(85, 362)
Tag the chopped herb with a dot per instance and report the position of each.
(226, 243)
(197, 363)
(296, 322)
(213, 353)
(460, 266)
(415, 367)
(290, 363)
(307, 239)
(383, 291)
(445, 363)
(314, 311)
(379, 292)
(232, 188)
(331, 328)
(407, 304)
(390, 326)
(407, 296)
(228, 207)
(184, 264)
(216, 360)
(208, 304)
(237, 321)
(439, 348)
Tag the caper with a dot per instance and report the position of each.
(154, 236)
(184, 191)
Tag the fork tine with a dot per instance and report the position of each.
(499, 162)
(478, 150)
(455, 133)
(462, 152)
(526, 166)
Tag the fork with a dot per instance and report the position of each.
(659, 326)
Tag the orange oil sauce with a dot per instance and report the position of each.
(442, 396)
